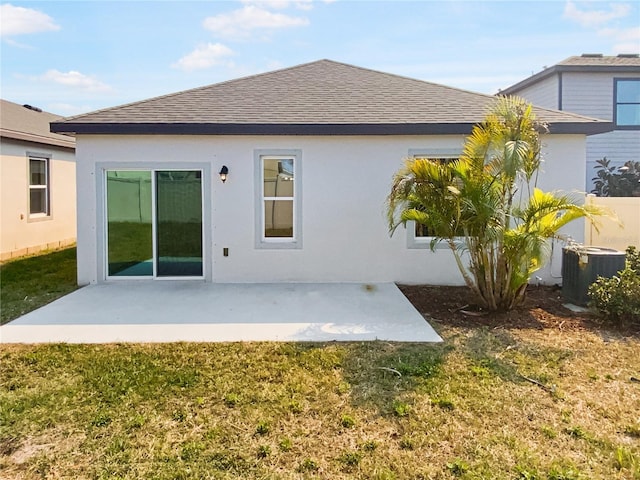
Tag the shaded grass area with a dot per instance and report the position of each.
(463, 409)
(31, 282)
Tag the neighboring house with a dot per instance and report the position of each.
(37, 182)
(307, 154)
(596, 86)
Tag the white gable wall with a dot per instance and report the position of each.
(344, 183)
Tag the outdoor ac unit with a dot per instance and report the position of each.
(582, 266)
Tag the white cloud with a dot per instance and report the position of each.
(77, 80)
(275, 4)
(628, 39)
(20, 21)
(205, 56)
(241, 23)
(594, 18)
(281, 4)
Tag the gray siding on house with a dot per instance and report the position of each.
(591, 94)
(543, 93)
(588, 93)
(618, 146)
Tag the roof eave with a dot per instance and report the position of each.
(584, 128)
(31, 137)
(262, 129)
(83, 128)
(556, 69)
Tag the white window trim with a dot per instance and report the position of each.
(414, 242)
(262, 242)
(40, 216)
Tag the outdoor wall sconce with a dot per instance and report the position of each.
(224, 171)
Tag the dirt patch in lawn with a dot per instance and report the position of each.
(543, 309)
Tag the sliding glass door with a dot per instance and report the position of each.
(154, 223)
(129, 224)
(179, 223)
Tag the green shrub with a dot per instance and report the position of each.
(633, 258)
(611, 181)
(617, 299)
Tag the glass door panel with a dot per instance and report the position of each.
(129, 224)
(179, 223)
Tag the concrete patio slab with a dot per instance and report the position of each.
(170, 311)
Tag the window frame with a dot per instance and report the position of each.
(616, 81)
(101, 248)
(262, 241)
(46, 158)
(414, 241)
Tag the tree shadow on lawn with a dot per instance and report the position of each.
(386, 376)
(382, 374)
(498, 353)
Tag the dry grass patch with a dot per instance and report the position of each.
(488, 403)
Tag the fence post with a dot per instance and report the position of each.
(590, 197)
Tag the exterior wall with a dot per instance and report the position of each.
(590, 94)
(344, 182)
(618, 146)
(19, 234)
(544, 93)
(612, 234)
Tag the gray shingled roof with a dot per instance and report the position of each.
(596, 60)
(323, 97)
(20, 123)
(584, 63)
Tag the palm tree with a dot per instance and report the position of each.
(486, 204)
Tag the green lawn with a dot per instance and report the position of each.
(488, 403)
(30, 282)
(364, 410)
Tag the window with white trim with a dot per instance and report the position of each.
(278, 206)
(627, 103)
(418, 236)
(39, 186)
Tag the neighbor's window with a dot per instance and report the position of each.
(279, 200)
(38, 187)
(627, 93)
(419, 235)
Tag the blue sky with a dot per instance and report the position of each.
(71, 57)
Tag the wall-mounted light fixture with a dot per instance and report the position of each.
(224, 171)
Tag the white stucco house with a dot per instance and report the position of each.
(594, 85)
(37, 182)
(279, 177)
